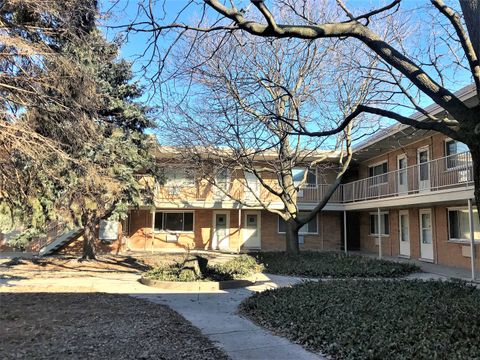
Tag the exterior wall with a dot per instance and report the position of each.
(141, 237)
(445, 252)
(328, 237)
(436, 144)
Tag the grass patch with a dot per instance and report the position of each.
(362, 319)
(330, 264)
(240, 267)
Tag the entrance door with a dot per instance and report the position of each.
(251, 231)
(221, 238)
(423, 158)
(402, 179)
(426, 236)
(404, 233)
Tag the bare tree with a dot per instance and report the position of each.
(246, 96)
(452, 42)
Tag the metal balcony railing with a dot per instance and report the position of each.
(450, 172)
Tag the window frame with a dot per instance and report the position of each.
(299, 233)
(445, 150)
(382, 213)
(189, 181)
(165, 231)
(455, 240)
(380, 163)
(309, 171)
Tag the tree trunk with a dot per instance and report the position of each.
(291, 237)
(471, 14)
(89, 236)
(475, 151)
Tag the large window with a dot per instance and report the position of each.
(178, 176)
(173, 221)
(456, 153)
(384, 224)
(299, 174)
(376, 170)
(310, 228)
(459, 225)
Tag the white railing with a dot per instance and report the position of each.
(444, 173)
(449, 172)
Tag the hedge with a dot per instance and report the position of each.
(331, 264)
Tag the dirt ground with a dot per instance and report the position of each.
(65, 266)
(58, 308)
(96, 326)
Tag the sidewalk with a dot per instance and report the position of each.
(215, 314)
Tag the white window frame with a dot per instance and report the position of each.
(454, 240)
(299, 233)
(379, 225)
(377, 176)
(313, 171)
(185, 169)
(164, 231)
(448, 168)
(218, 193)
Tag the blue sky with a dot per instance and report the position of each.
(126, 10)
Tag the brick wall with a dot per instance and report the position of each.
(445, 252)
(328, 237)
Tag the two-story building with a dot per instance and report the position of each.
(406, 195)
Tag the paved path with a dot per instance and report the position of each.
(216, 316)
(214, 313)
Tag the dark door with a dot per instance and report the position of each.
(353, 231)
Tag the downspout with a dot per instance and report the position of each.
(379, 218)
(345, 231)
(472, 238)
(239, 228)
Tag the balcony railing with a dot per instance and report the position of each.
(444, 173)
(449, 172)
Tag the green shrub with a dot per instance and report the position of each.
(172, 273)
(375, 319)
(331, 264)
(239, 267)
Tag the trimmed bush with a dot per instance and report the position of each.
(239, 267)
(331, 264)
(375, 319)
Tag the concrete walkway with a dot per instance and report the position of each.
(216, 316)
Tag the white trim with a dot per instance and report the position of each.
(228, 228)
(259, 228)
(420, 213)
(455, 240)
(379, 227)
(163, 231)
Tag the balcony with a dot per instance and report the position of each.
(451, 172)
(448, 173)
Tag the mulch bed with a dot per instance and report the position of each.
(96, 326)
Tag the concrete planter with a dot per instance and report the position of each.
(197, 285)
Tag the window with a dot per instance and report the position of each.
(222, 183)
(173, 221)
(376, 170)
(456, 153)
(384, 224)
(310, 228)
(178, 176)
(459, 225)
(299, 173)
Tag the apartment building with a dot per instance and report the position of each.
(407, 194)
